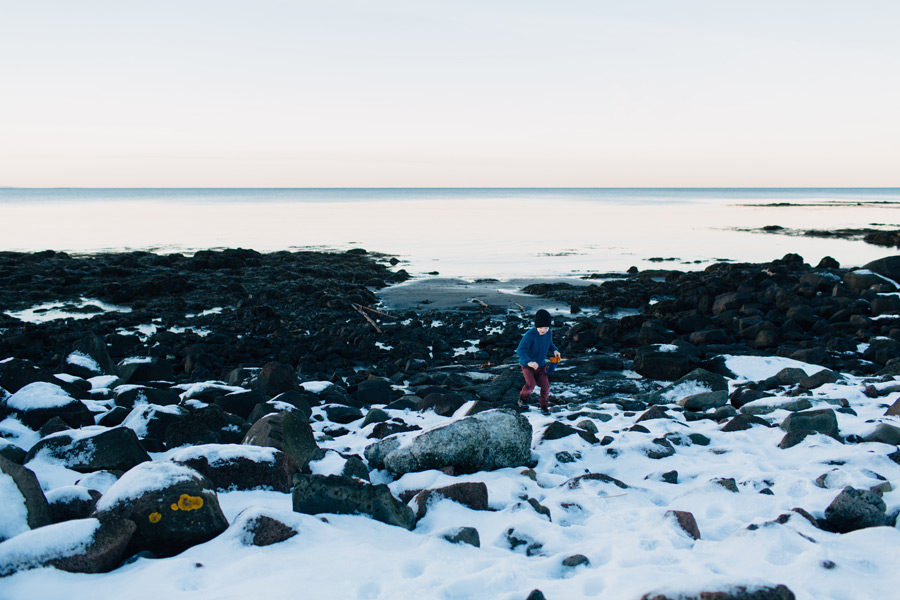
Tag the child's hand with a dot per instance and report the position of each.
(557, 354)
(534, 365)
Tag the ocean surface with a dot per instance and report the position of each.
(466, 233)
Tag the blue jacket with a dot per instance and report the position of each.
(534, 347)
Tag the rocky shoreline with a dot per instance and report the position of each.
(265, 363)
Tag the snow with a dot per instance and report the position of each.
(223, 453)
(139, 417)
(136, 360)
(633, 546)
(39, 395)
(80, 359)
(667, 348)
(15, 432)
(316, 387)
(44, 542)
(51, 311)
(68, 493)
(15, 514)
(144, 478)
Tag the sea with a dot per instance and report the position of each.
(500, 233)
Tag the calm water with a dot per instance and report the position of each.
(472, 233)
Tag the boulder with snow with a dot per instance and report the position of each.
(207, 425)
(822, 420)
(287, 432)
(70, 502)
(240, 466)
(16, 373)
(130, 395)
(173, 506)
(855, 509)
(486, 441)
(318, 494)
(257, 528)
(92, 449)
(36, 403)
(150, 422)
(144, 369)
(11, 452)
(473, 494)
(23, 505)
(79, 546)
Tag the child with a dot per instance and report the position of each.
(532, 353)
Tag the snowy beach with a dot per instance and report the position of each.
(696, 443)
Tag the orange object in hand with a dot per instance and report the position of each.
(555, 359)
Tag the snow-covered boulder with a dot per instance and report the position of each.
(174, 507)
(38, 402)
(23, 505)
(287, 432)
(79, 546)
(240, 466)
(92, 449)
(483, 442)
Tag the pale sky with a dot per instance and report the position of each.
(420, 93)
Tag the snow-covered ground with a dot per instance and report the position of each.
(632, 545)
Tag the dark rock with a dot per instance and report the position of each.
(240, 467)
(11, 452)
(886, 267)
(854, 509)
(93, 546)
(375, 415)
(133, 395)
(824, 421)
(71, 502)
(737, 592)
(338, 413)
(576, 560)
(317, 494)
(175, 508)
(818, 379)
(705, 401)
(383, 430)
(885, 434)
(728, 483)
(463, 535)
(743, 422)
(145, 370)
(471, 494)
(260, 529)
(537, 594)
(517, 540)
(240, 403)
(16, 373)
(654, 412)
(275, 378)
(686, 521)
(209, 425)
(792, 438)
(661, 448)
(95, 348)
(742, 396)
(116, 449)
(374, 391)
(37, 510)
(655, 364)
(444, 404)
(286, 432)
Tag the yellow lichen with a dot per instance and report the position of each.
(187, 503)
(155, 517)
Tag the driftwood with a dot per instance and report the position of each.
(483, 305)
(359, 309)
(377, 312)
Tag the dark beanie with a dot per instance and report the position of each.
(542, 318)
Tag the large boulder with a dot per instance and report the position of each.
(666, 362)
(823, 420)
(174, 507)
(145, 369)
(38, 402)
(486, 441)
(92, 449)
(239, 466)
(207, 425)
(287, 432)
(150, 421)
(888, 266)
(78, 546)
(275, 378)
(854, 509)
(23, 505)
(16, 373)
(317, 494)
(374, 391)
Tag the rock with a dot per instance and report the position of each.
(208, 425)
(16, 373)
(769, 405)
(174, 507)
(388, 428)
(736, 592)
(854, 509)
(260, 529)
(318, 494)
(686, 521)
(668, 364)
(536, 595)
(78, 546)
(24, 504)
(150, 422)
(92, 449)
(790, 376)
(888, 266)
(517, 539)
(885, 434)
(338, 413)
(705, 401)
(375, 415)
(824, 421)
(71, 502)
(286, 432)
(576, 560)
(473, 495)
(239, 466)
(463, 535)
(743, 423)
(728, 483)
(275, 378)
(444, 404)
(374, 391)
(240, 403)
(819, 379)
(490, 440)
(661, 448)
(145, 370)
(743, 396)
(11, 452)
(792, 438)
(654, 412)
(95, 348)
(38, 402)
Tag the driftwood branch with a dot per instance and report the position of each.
(377, 312)
(359, 309)
(483, 305)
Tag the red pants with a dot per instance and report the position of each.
(533, 378)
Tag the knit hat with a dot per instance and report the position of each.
(542, 318)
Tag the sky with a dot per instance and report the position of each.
(419, 93)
